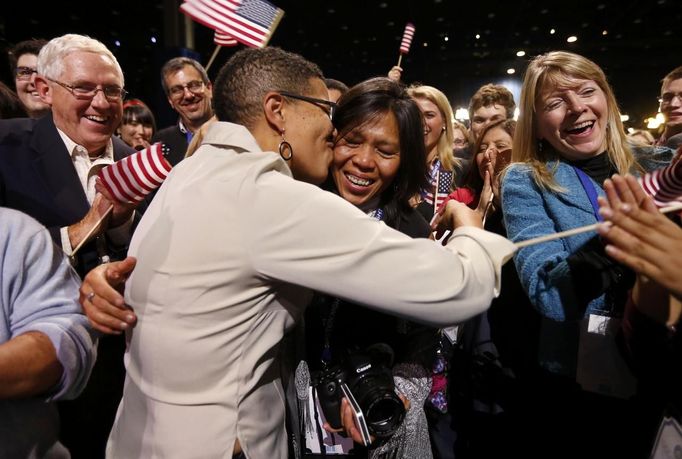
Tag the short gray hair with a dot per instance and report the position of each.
(52, 55)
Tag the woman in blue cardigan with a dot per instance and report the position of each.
(569, 139)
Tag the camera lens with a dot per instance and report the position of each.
(384, 415)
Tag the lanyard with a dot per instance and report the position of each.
(590, 190)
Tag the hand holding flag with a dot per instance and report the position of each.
(405, 43)
(134, 177)
(130, 180)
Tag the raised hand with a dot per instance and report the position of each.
(640, 236)
(121, 211)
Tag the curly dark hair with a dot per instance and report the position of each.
(492, 94)
(24, 47)
(244, 80)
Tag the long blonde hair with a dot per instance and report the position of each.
(553, 69)
(444, 146)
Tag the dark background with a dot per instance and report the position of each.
(352, 40)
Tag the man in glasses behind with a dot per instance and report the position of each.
(48, 169)
(189, 92)
(671, 106)
(23, 58)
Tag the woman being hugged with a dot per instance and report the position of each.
(569, 139)
(379, 163)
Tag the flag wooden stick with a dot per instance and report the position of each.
(400, 59)
(278, 17)
(215, 54)
(582, 229)
(92, 230)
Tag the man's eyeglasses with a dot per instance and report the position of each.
(112, 93)
(195, 87)
(312, 100)
(668, 97)
(24, 73)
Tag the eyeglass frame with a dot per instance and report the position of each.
(333, 106)
(180, 88)
(672, 95)
(24, 73)
(71, 88)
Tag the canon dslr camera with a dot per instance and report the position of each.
(370, 382)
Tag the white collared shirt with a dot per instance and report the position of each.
(87, 169)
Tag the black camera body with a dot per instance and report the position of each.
(371, 384)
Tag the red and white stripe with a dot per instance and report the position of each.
(220, 15)
(134, 177)
(664, 185)
(407, 38)
(440, 198)
(224, 39)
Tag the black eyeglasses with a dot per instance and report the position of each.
(112, 93)
(195, 87)
(24, 73)
(668, 97)
(312, 100)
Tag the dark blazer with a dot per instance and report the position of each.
(175, 140)
(37, 177)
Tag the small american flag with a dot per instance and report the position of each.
(441, 179)
(251, 22)
(407, 38)
(664, 185)
(135, 176)
(224, 39)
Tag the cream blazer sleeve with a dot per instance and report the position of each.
(317, 240)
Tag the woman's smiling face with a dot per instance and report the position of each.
(366, 160)
(573, 117)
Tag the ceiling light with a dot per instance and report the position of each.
(425, 44)
(624, 118)
(511, 71)
(461, 114)
(654, 123)
(604, 32)
(572, 39)
(520, 53)
(478, 36)
(446, 38)
(153, 39)
(552, 31)
(117, 43)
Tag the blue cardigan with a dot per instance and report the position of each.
(531, 211)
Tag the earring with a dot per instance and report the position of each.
(285, 147)
(443, 128)
(540, 145)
